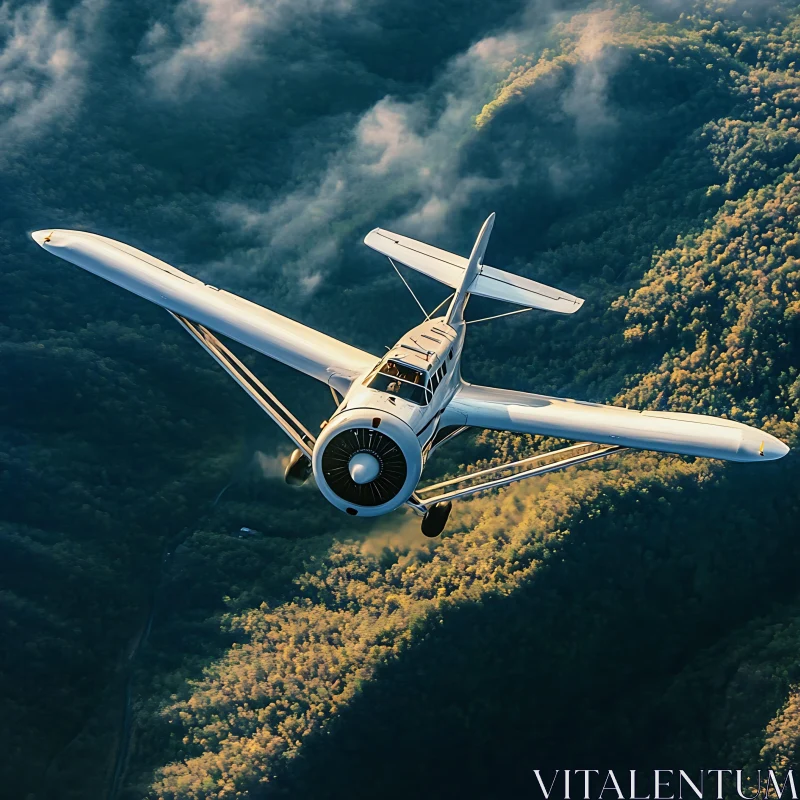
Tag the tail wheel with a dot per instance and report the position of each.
(435, 519)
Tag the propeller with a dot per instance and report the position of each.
(364, 466)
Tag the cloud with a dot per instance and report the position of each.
(586, 102)
(401, 159)
(42, 65)
(417, 164)
(587, 99)
(202, 39)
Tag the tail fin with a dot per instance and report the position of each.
(471, 276)
(455, 313)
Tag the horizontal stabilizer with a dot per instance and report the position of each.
(448, 268)
(438, 264)
(501, 285)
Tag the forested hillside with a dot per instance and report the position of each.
(549, 626)
(640, 612)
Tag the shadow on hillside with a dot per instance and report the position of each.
(571, 670)
(217, 569)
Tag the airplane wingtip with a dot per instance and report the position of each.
(370, 237)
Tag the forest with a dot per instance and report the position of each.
(640, 612)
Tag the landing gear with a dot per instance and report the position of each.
(435, 519)
(299, 469)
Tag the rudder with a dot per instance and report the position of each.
(455, 313)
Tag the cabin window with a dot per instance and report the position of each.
(401, 380)
(438, 377)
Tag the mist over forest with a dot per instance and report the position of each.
(640, 612)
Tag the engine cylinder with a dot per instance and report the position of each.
(364, 443)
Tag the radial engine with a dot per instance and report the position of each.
(367, 462)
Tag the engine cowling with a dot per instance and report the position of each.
(367, 462)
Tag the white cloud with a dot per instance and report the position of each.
(402, 153)
(42, 64)
(203, 38)
(404, 166)
(587, 100)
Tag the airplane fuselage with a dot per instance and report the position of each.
(434, 348)
(403, 398)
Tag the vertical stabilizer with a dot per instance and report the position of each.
(455, 313)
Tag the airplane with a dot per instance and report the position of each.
(393, 412)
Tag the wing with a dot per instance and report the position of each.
(448, 268)
(669, 432)
(309, 351)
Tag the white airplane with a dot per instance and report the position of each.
(393, 412)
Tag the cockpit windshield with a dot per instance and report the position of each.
(401, 380)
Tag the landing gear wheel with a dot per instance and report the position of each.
(435, 519)
(299, 469)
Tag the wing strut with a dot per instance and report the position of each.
(566, 457)
(498, 316)
(262, 396)
(411, 291)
